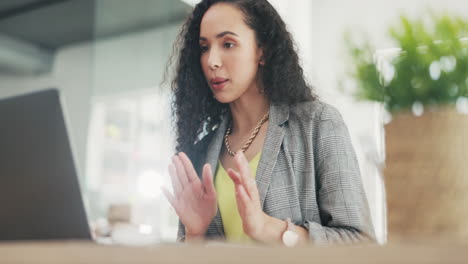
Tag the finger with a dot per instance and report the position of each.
(180, 171)
(175, 181)
(208, 181)
(188, 166)
(242, 165)
(235, 176)
(245, 174)
(239, 202)
(242, 197)
(170, 198)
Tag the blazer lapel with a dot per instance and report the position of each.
(279, 114)
(214, 148)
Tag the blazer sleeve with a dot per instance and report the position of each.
(344, 210)
(181, 232)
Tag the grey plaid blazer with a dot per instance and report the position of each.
(308, 171)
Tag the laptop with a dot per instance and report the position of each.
(40, 196)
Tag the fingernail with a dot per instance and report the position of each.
(208, 167)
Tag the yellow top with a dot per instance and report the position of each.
(227, 202)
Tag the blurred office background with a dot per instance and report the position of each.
(108, 58)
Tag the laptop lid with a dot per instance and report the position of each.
(40, 195)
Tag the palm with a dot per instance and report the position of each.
(194, 201)
(196, 208)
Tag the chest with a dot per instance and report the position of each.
(236, 142)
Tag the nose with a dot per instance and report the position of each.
(214, 59)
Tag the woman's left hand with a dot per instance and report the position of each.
(248, 198)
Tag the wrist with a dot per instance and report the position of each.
(265, 232)
(273, 229)
(194, 236)
(290, 237)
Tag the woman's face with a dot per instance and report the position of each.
(230, 55)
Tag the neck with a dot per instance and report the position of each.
(247, 111)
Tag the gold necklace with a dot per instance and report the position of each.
(252, 137)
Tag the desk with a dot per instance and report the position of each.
(87, 252)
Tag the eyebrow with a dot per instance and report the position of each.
(222, 34)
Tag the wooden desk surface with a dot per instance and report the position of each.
(87, 252)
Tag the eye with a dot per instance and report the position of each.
(203, 48)
(229, 45)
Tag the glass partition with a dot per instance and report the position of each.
(130, 134)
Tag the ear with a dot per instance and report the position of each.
(260, 57)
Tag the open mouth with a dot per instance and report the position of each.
(219, 83)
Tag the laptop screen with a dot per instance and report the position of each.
(40, 195)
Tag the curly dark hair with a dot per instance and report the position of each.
(194, 109)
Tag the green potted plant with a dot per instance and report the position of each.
(423, 84)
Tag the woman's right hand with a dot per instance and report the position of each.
(194, 201)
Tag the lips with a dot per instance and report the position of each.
(218, 80)
(218, 83)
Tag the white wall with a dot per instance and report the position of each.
(132, 62)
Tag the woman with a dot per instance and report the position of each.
(260, 157)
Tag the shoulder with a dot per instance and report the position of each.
(318, 119)
(316, 110)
